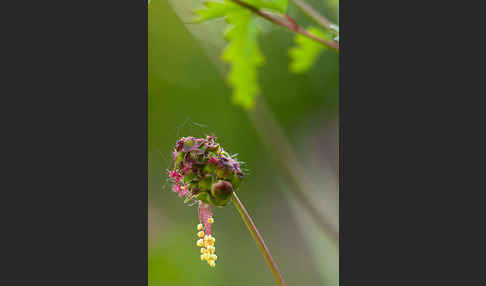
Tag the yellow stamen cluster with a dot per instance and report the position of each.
(206, 242)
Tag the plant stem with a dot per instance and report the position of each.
(323, 21)
(289, 25)
(258, 239)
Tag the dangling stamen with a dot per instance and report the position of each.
(207, 214)
(206, 241)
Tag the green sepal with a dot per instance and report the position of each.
(209, 169)
(224, 173)
(203, 196)
(205, 184)
(236, 181)
(189, 178)
(214, 149)
(220, 201)
(179, 158)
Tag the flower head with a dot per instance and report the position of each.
(206, 174)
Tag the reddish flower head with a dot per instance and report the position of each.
(205, 173)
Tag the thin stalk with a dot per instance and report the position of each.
(259, 240)
(318, 18)
(289, 25)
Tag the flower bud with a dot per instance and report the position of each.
(221, 193)
(204, 171)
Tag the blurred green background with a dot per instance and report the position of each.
(189, 96)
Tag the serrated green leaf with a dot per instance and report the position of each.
(216, 9)
(213, 10)
(306, 52)
(244, 55)
(242, 52)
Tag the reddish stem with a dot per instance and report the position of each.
(291, 26)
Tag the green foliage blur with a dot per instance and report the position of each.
(189, 96)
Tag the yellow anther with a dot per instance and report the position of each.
(212, 239)
(210, 249)
(212, 263)
(209, 242)
(200, 234)
(203, 250)
(200, 243)
(204, 256)
(210, 220)
(199, 227)
(213, 257)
